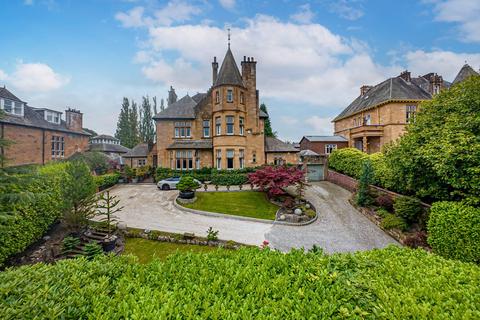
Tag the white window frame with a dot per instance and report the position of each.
(230, 155)
(230, 125)
(241, 158)
(329, 148)
(229, 95)
(182, 126)
(206, 134)
(218, 126)
(242, 97)
(14, 106)
(58, 147)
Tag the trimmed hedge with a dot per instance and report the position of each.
(393, 283)
(454, 231)
(348, 161)
(106, 181)
(220, 177)
(40, 206)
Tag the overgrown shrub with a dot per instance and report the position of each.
(416, 240)
(408, 208)
(348, 161)
(106, 181)
(69, 243)
(384, 201)
(392, 283)
(454, 231)
(363, 196)
(391, 221)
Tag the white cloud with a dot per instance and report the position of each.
(464, 12)
(304, 14)
(3, 75)
(227, 4)
(320, 126)
(445, 63)
(131, 19)
(36, 77)
(347, 9)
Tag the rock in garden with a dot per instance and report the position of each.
(282, 217)
(298, 211)
(307, 206)
(122, 226)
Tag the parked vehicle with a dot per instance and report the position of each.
(171, 183)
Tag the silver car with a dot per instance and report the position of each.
(171, 183)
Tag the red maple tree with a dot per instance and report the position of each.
(275, 179)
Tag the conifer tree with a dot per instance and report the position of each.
(268, 125)
(123, 124)
(155, 111)
(147, 128)
(134, 138)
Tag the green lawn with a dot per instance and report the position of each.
(244, 203)
(146, 250)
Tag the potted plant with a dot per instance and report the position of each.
(134, 175)
(187, 187)
(129, 173)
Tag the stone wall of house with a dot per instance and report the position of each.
(287, 157)
(34, 145)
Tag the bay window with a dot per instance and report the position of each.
(410, 113)
(184, 160)
(229, 95)
(230, 156)
(219, 159)
(230, 124)
(218, 126)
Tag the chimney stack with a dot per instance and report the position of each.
(172, 96)
(214, 70)
(364, 89)
(74, 119)
(405, 75)
(436, 82)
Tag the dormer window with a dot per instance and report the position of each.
(12, 107)
(52, 116)
(229, 95)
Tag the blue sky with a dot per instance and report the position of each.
(313, 56)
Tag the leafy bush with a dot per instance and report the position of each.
(248, 283)
(92, 250)
(187, 183)
(417, 240)
(207, 174)
(454, 231)
(96, 161)
(391, 221)
(106, 181)
(382, 212)
(275, 179)
(407, 208)
(348, 161)
(384, 201)
(230, 179)
(69, 243)
(34, 202)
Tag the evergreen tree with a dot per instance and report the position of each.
(147, 128)
(364, 197)
(134, 138)
(155, 110)
(268, 125)
(123, 124)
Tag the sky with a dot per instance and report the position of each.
(313, 56)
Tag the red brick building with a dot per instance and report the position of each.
(38, 135)
(323, 145)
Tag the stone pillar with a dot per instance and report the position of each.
(364, 144)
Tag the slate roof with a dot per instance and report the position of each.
(391, 89)
(4, 93)
(181, 109)
(263, 114)
(308, 153)
(139, 151)
(199, 96)
(108, 147)
(106, 137)
(325, 138)
(465, 73)
(276, 145)
(192, 144)
(229, 73)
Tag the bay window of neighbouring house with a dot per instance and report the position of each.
(184, 160)
(58, 147)
(219, 159)
(229, 95)
(230, 124)
(218, 126)
(206, 128)
(241, 158)
(183, 129)
(242, 125)
(410, 113)
(329, 148)
(230, 156)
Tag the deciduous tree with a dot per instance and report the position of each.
(275, 179)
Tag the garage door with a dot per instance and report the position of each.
(315, 172)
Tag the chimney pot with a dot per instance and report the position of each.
(364, 89)
(405, 75)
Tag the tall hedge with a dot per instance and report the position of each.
(348, 161)
(393, 283)
(39, 203)
(454, 231)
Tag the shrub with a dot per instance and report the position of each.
(187, 183)
(275, 179)
(393, 222)
(363, 196)
(230, 179)
(106, 181)
(96, 161)
(382, 212)
(348, 161)
(417, 240)
(407, 208)
(212, 235)
(92, 250)
(69, 243)
(454, 231)
(391, 283)
(384, 201)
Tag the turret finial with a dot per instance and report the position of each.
(228, 38)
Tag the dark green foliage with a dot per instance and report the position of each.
(268, 131)
(106, 180)
(348, 161)
(187, 183)
(92, 250)
(212, 235)
(230, 179)
(29, 204)
(107, 206)
(391, 221)
(382, 212)
(384, 201)
(93, 133)
(147, 125)
(3, 143)
(219, 177)
(363, 196)
(408, 208)
(454, 231)
(96, 161)
(393, 283)
(70, 243)
(127, 125)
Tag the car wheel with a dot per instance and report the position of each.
(165, 187)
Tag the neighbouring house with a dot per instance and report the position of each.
(222, 128)
(108, 145)
(137, 156)
(323, 145)
(380, 113)
(39, 135)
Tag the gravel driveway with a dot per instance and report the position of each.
(339, 227)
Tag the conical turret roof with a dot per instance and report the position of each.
(229, 73)
(464, 73)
